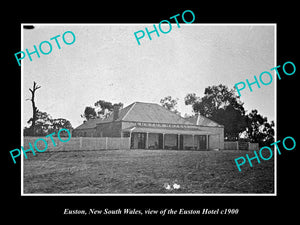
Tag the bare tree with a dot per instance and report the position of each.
(34, 108)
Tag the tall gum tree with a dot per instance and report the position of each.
(34, 108)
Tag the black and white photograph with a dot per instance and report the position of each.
(158, 115)
(138, 113)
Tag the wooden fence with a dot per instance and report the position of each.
(79, 143)
(240, 145)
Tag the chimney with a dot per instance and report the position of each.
(197, 118)
(116, 112)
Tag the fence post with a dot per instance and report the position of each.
(80, 143)
(106, 143)
(129, 142)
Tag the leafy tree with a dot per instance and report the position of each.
(89, 113)
(259, 129)
(60, 123)
(46, 125)
(170, 104)
(191, 98)
(42, 123)
(104, 108)
(215, 97)
(223, 106)
(233, 121)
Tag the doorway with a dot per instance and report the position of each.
(160, 141)
(201, 142)
(181, 142)
(138, 140)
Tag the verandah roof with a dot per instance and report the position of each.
(184, 131)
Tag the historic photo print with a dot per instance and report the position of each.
(148, 109)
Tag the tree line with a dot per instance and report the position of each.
(219, 103)
(224, 106)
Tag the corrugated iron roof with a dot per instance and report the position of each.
(151, 113)
(203, 121)
(122, 114)
(147, 112)
(91, 123)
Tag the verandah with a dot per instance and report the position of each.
(146, 140)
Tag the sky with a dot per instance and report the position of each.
(106, 63)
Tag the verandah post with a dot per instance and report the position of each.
(147, 141)
(80, 143)
(194, 142)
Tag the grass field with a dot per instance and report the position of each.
(145, 171)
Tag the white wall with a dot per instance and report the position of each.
(216, 131)
(214, 141)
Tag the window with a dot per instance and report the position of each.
(126, 134)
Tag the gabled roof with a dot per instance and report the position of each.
(203, 121)
(151, 113)
(147, 112)
(122, 113)
(91, 123)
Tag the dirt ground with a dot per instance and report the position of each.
(145, 171)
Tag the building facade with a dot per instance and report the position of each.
(87, 129)
(151, 126)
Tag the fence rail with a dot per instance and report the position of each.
(80, 143)
(239, 145)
